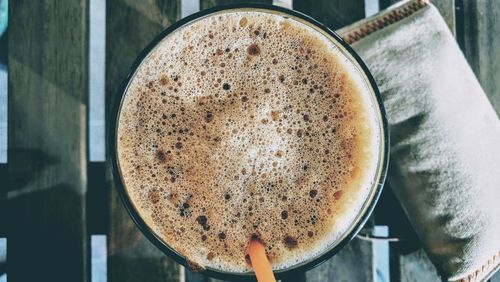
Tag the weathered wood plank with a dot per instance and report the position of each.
(191, 276)
(283, 3)
(130, 26)
(416, 266)
(333, 13)
(205, 4)
(480, 24)
(389, 212)
(47, 237)
(213, 280)
(3, 131)
(386, 3)
(97, 199)
(496, 277)
(447, 10)
(353, 263)
(3, 201)
(3, 93)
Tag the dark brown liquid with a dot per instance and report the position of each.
(247, 124)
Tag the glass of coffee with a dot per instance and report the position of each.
(249, 122)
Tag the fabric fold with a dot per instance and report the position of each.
(444, 164)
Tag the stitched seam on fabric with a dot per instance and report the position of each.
(383, 21)
(484, 270)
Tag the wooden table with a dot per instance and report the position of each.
(54, 198)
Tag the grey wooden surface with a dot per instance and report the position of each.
(355, 262)
(480, 42)
(332, 13)
(416, 266)
(447, 10)
(47, 239)
(205, 4)
(130, 26)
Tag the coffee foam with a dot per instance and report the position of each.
(244, 124)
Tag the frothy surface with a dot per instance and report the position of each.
(247, 123)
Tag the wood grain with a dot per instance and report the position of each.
(416, 266)
(447, 10)
(353, 263)
(389, 212)
(47, 238)
(130, 26)
(3, 202)
(480, 24)
(205, 4)
(495, 277)
(386, 3)
(333, 13)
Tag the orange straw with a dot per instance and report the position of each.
(260, 264)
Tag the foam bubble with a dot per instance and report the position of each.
(247, 124)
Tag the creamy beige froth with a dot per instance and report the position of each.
(248, 123)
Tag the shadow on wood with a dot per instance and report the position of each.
(46, 242)
(130, 26)
(48, 77)
(332, 13)
(205, 4)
